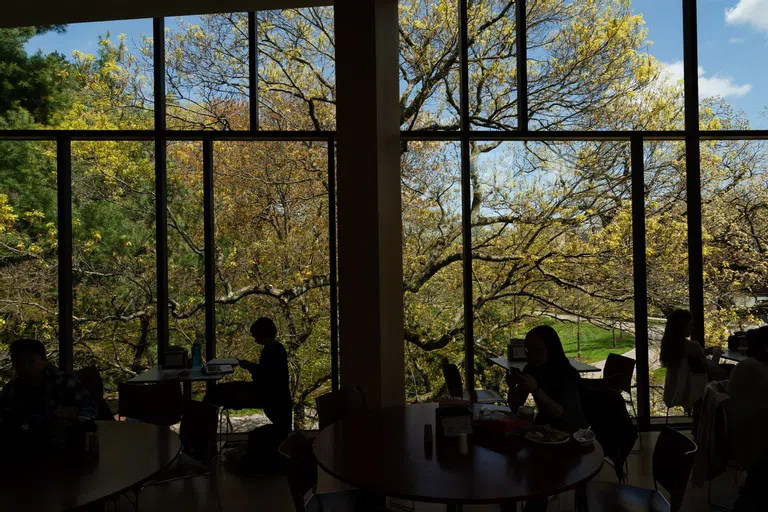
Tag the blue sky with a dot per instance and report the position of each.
(733, 41)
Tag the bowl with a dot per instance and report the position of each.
(584, 437)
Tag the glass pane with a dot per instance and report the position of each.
(492, 65)
(429, 65)
(432, 271)
(272, 257)
(206, 63)
(114, 267)
(552, 244)
(731, 36)
(297, 69)
(735, 182)
(85, 75)
(604, 65)
(666, 213)
(28, 245)
(186, 245)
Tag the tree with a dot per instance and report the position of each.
(38, 84)
(551, 221)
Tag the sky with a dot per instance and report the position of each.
(733, 42)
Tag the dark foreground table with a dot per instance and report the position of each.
(130, 454)
(382, 451)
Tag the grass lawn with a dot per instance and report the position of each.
(596, 342)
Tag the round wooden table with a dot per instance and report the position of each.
(382, 451)
(130, 453)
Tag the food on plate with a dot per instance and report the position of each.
(546, 434)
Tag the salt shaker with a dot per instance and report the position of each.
(463, 446)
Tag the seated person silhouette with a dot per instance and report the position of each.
(269, 389)
(41, 400)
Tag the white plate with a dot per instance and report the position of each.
(529, 436)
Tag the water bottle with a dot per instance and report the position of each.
(197, 356)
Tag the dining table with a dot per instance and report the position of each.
(384, 452)
(520, 364)
(734, 355)
(129, 454)
(186, 375)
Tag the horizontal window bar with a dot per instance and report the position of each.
(168, 134)
(180, 135)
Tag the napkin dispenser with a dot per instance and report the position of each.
(453, 419)
(175, 358)
(516, 350)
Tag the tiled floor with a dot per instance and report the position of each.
(259, 493)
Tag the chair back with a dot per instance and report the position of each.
(300, 468)
(332, 407)
(90, 378)
(198, 429)
(452, 379)
(672, 463)
(618, 371)
(159, 404)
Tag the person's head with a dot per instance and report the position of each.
(544, 348)
(678, 329)
(28, 359)
(264, 331)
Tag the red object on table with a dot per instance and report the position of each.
(382, 451)
(497, 428)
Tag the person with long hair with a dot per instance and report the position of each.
(550, 379)
(688, 369)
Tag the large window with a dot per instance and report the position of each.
(575, 194)
(564, 162)
(196, 163)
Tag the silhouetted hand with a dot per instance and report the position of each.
(528, 383)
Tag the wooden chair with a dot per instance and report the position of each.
(334, 406)
(617, 374)
(90, 378)
(672, 463)
(160, 404)
(456, 388)
(198, 432)
(300, 468)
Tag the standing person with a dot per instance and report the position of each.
(688, 369)
(270, 374)
(41, 394)
(748, 421)
(269, 389)
(550, 379)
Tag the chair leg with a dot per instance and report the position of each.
(634, 412)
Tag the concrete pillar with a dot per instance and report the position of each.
(369, 209)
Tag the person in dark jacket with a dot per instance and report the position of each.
(41, 392)
(269, 388)
(550, 379)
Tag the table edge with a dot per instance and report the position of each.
(590, 369)
(142, 481)
(484, 501)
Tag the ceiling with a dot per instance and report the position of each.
(16, 13)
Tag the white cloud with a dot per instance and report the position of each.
(715, 85)
(736, 40)
(749, 12)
